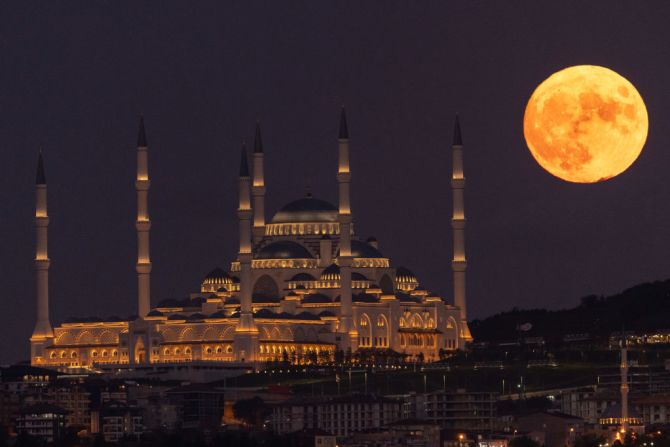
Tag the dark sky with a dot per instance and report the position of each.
(74, 77)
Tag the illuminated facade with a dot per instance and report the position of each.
(301, 287)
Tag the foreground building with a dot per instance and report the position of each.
(340, 415)
(302, 286)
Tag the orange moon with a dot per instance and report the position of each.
(585, 124)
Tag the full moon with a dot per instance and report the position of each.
(585, 124)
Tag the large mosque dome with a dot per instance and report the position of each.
(307, 209)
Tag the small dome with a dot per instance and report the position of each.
(331, 273)
(355, 276)
(360, 249)
(284, 250)
(307, 209)
(215, 279)
(405, 280)
(217, 273)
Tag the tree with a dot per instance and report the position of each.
(589, 440)
(251, 411)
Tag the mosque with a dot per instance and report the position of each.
(302, 287)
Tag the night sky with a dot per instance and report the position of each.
(75, 76)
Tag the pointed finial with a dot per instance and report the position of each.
(458, 140)
(141, 134)
(344, 131)
(258, 141)
(308, 189)
(40, 178)
(244, 163)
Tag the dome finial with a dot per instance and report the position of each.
(308, 189)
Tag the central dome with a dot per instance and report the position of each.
(307, 209)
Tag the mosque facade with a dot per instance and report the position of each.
(302, 287)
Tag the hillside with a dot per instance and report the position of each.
(642, 308)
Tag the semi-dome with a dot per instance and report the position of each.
(331, 273)
(307, 209)
(360, 249)
(355, 276)
(302, 277)
(284, 250)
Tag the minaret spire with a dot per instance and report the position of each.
(459, 262)
(258, 187)
(246, 332)
(624, 383)
(40, 178)
(348, 336)
(43, 331)
(143, 224)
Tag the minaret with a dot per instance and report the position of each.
(43, 331)
(624, 385)
(258, 188)
(143, 224)
(459, 262)
(348, 337)
(246, 332)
